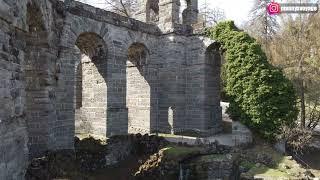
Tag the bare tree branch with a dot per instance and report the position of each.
(123, 7)
(211, 16)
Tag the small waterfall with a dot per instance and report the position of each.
(180, 172)
(183, 172)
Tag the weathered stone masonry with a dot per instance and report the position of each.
(67, 68)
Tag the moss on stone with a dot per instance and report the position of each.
(247, 164)
(178, 152)
(266, 172)
(281, 167)
(212, 157)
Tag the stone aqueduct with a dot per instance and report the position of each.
(67, 67)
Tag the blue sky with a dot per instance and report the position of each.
(236, 10)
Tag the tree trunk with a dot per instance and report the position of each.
(303, 107)
(302, 99)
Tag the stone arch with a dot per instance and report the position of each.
(91, 85)
(142, 39)
(92, 45)
(116, 113)
(152, 11)
(80, 26)
(138, 55)
(35, 20)
(184, 4)
(189, 11)
(138, 96)
(213, 61)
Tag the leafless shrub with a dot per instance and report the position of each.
(297, 139)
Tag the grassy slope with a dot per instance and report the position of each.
(284, 166)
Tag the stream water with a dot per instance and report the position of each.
(184, 172)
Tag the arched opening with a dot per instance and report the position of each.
(184, 4)
(90, 99)
(213, 62)
(171, 119)
(189, 12)
(152, 11)
(138, 89)
(34, 18)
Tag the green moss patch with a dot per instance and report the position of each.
(266, 172)
(180, 152)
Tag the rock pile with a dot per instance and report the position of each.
(91, 155)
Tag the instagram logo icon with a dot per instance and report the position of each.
(273, 8)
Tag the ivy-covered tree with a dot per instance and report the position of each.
(260, 95)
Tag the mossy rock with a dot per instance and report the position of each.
(180, 152)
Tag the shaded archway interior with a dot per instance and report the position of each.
(91, 85)
(138, 94)
(152, 11)
(213, 59)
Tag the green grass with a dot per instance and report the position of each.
(247, 164)
(284, 167)
(267, 172)
(213, 157)
(177, 152)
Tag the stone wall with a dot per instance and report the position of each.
(27, 62)
(13, 131)
(168, 13)
(67, 68)
(213, 166)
